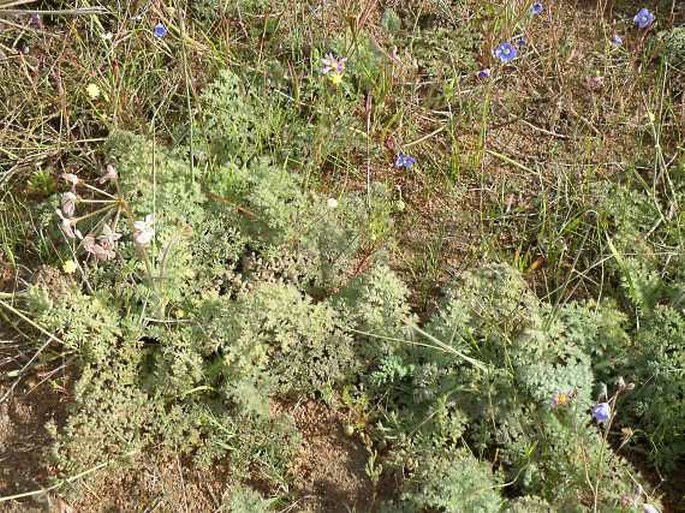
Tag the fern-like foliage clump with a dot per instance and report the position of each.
(223, 288)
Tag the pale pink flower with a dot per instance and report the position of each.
(108, 237)
(95, 249)
(68, 226)
(332, 64)
(71, 179)
(143, 231)
(68, 203)
(88, 243)
(110, 174)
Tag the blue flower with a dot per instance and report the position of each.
(616, 40)
(404, 161)
(520, 41)
(506, 52)
(601, 412)
(536, 8)
(484, 73)
(160, 30)
(644, 18)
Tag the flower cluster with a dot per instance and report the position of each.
(333, 67)
(507, 51)
(101, 241)
(102, 247)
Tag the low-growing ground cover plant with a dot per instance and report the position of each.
(405, 214)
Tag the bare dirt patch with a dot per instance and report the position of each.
(23, 442)
(330, 468)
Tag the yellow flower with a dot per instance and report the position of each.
(335, 78)
(69, 267)
(562, 398)
(93, 91)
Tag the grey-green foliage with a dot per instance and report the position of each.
(530, 352)
(233, 126)
(648, 255)
(86, 324)
(275, 329)
(155, 181)
(274, 207)
(243, 499)
(377, 305)
(296, 235)
(110, 418)
(656, 364)
(454, 483)
(257, 289)
(673, 42)
(187, 352)
(529, 504)
(492, 315)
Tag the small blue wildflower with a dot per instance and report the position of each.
(601, 412)
(520, 41)
(616, 40)
(506, 52)
(643, 19)
(404, 161)
(160, 30)
(484, 73)
(536, 8)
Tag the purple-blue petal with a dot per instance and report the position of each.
(484, 73)
(644, 18)
(160, 30)
(601, 412)
(506, 52)
(404, 161)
